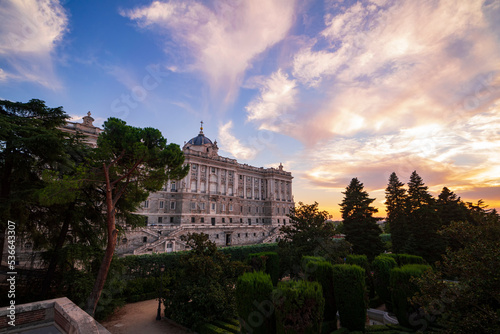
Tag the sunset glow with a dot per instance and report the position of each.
(331, 89)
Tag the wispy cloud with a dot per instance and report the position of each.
(221, 39)
(231, 144)
(29, 33)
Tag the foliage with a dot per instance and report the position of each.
(299, 307)
(462, 294)
(403, 288)
(450, 208)
(322, 272)
(360, 260)
(308, 234)
(382, 266)
(404, 259)
(267, 262)
(240, 253)
(253, 295)
(360, 226)
(349, 287)
(395, 201)
(423, 222)
(202, 288)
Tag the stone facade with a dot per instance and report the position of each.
(235, 204)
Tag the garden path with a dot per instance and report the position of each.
(140, 317)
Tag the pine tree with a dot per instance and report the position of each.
(450, 207)
(396, 197)
(423, 221)
(360, 226)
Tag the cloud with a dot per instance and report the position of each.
(222, 38)
(277, 95)
(231, 144)
(29, 34)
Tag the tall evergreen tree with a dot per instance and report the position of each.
(360, 226)
(395, 201)
(423, 221)
(450, 207)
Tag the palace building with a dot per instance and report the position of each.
(235, 204)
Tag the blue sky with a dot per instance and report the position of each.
(331, 89)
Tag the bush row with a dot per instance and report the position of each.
(267, 262)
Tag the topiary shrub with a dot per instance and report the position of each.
(349, 289)
(267, 262)
(322, 272)
(402, 288)
(382, 266)
(253, 303)
(404, 259)
(359, 260)
(299, 307)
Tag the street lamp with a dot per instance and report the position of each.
(162, 269)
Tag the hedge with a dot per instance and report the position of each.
(382, 266)
(349, 289)
(299, 307)
(255, 310)
(322, 272)
(267, 262)
(213, 329)
(404, 259)
(359, 260)
(403, 289)
(241, 253)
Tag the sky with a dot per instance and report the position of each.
(331, 89)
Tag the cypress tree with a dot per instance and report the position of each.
(360, 226)
(423, 220)
(395, 201)
(450, 207)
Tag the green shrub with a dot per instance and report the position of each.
(227, 326)
(382, 266)
(253, 294)
(241, 253)
(349, 288)
(403, 288)
(341, 331)
(322, 272)
(359, 260)
(299, 307)
(212, 329)
(385, 237)
(267, 262)
(404, 259)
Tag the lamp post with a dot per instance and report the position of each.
(162, 269)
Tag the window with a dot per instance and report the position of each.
(160, 220)
(194, 167)
(223, 220)
(213, 170)
(202, 206)
(278, 221)
(192, 220)
(230, 220)
(170, 245)
(241, 177)
(193, 205)
(146, 204)
(213, 206)
(238, 235)
(255, 234)
(257, 209)
(202, 220)
(144, 239)
(171, 219)
(172, 186)
(249, 221)
(230, 207)
(216, 236)
(161, 204)
(263, 234)
(241, 220)
(223, 207)
(246, 235)
(172, 205)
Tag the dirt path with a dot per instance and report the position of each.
(141, 318)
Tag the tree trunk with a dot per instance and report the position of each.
(57, 248)
(93, 299)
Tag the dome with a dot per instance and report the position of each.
(200, 140)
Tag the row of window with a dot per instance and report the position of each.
(161, 220)
(239, 235)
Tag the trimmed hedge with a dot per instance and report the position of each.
(359, 260)
(267, 262)
(241, 253)
(299, 307)
(322, 272)
(213, 329)
(402, 289)
(349, 287)
(382, 266)
(253, 294)
(404, 259)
